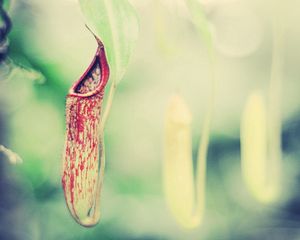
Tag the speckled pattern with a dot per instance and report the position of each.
(91, 81)
(81, 165)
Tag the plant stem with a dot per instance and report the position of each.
(203, 145)
(274, 106)
(108, 105)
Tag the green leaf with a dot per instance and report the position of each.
(115, 23)
(200, 21)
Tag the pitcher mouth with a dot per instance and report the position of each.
(95, 78)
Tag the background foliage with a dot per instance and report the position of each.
(50, 48)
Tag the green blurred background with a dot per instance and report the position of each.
(50, 48)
